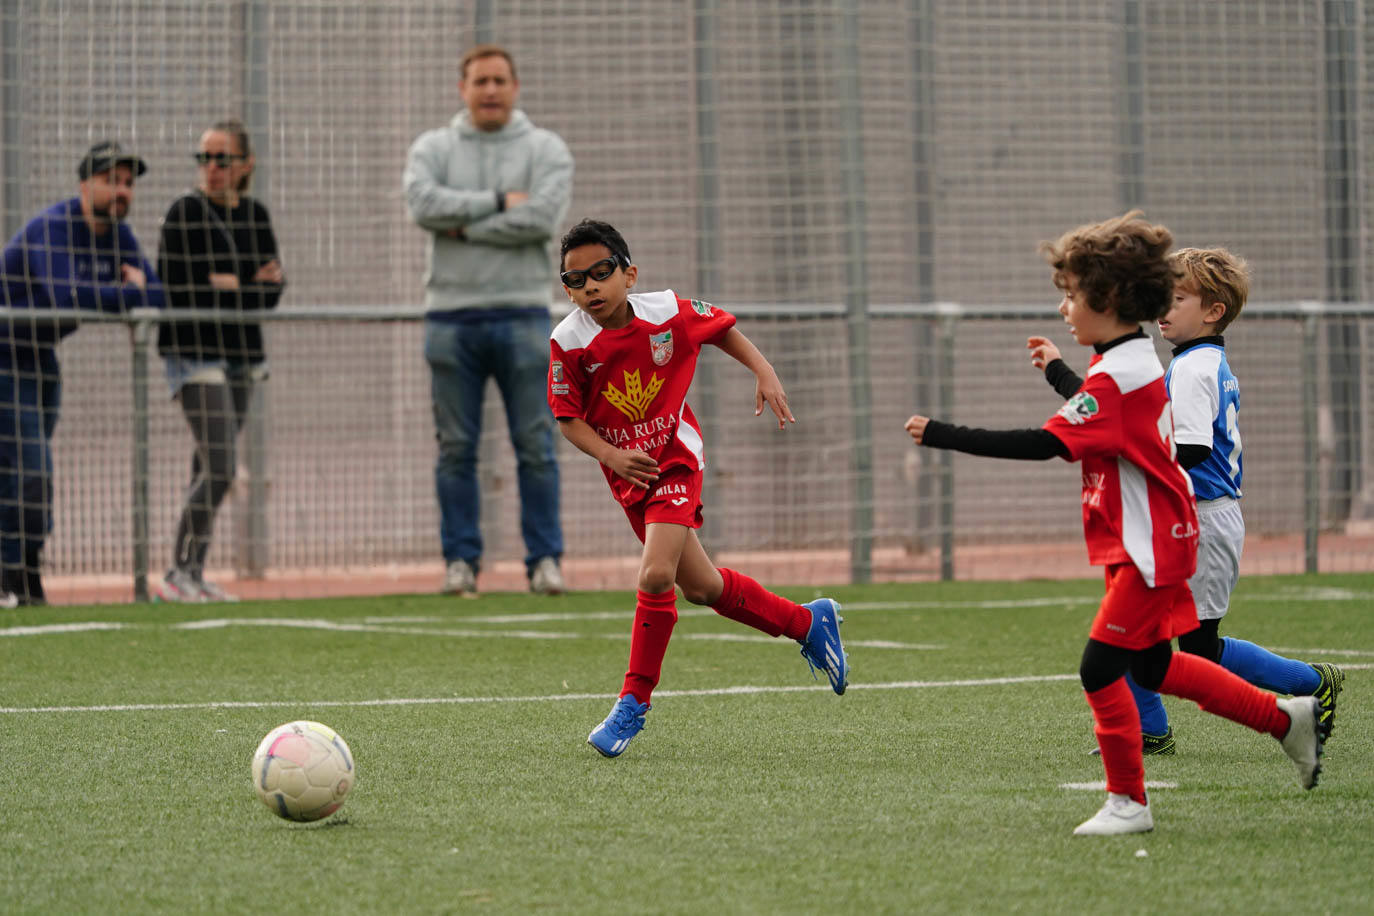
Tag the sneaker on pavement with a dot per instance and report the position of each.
(1119, 815)
(822, 647)
(1327, 691)
(181, 587)
(1151, 745)
(613, 735)
(460, 579)
(211, 592)
(1305, 738)
(546, 578)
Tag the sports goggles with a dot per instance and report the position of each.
(223, 160)
(601, 270)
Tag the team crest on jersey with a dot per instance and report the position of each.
(636, 398)
(1079, 409)
(556, 371)
(702, 308)
(661, 347)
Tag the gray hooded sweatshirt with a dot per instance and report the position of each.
(506, 259)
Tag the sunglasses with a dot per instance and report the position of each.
(223, 160)
(601, 270)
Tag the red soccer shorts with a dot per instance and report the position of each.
(1134, 616)
(675, 499)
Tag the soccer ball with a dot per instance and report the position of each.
(303, 770)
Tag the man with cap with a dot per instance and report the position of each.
(76, 255)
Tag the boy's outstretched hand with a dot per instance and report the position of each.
(916, 426)
(769, 391)
(1042, 351)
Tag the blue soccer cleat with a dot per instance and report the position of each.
(612, 736)
(822, 647)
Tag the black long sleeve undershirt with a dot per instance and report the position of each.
(1019, 444)
(1062, 379)
(1066, 383)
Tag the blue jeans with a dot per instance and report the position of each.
(463, 352)
(30, 396)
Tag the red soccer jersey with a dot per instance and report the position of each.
(1138, 503)
(630, 384)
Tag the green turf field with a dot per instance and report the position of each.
(936, 784)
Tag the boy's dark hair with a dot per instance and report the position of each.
(1121, 265)
(1216, 275)
(595, 232)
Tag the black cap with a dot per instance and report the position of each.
(106, 155)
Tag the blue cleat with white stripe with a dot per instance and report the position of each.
(612, 736)
(822, 647)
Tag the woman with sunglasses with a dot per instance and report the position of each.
(218, 253)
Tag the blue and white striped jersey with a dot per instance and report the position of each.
(1206, 401)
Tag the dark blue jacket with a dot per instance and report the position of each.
(56, 262)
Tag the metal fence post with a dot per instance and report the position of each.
(1311, 451)
(251, 532)
(1345, 244)
(143, 326)
(856, 295)
(950, 314)
(12, 140)
(704, 394)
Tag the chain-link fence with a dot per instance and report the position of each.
(830, 160)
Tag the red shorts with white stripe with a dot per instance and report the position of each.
(675, 499)
(1134, 616)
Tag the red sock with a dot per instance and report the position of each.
(1117, 724)
(751, 604)
(1224, 694)
(654, 619)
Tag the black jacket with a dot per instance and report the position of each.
(199, 238)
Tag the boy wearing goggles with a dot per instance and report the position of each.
(619, 371)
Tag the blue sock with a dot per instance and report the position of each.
(1264, 669)
(1153, 719)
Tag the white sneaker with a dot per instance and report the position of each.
(1305, 738)
(9, 600)
(209, 591)
(1119, 815)
(460, 579)
(546, 578)
(180, 587)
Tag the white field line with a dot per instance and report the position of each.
(739, 690)
(50, 628)
(319, 624)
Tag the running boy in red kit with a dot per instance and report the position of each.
(1139, 514)
(619, 370)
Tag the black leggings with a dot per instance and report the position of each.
(1203, 641)
(1102, 664)
(215, 413)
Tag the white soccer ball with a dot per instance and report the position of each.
(303, 770)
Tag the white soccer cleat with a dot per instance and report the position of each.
(180, 587)
(1305, 738)
(546, 578)
(1119, 815)
(210, 592)
(460, 579)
